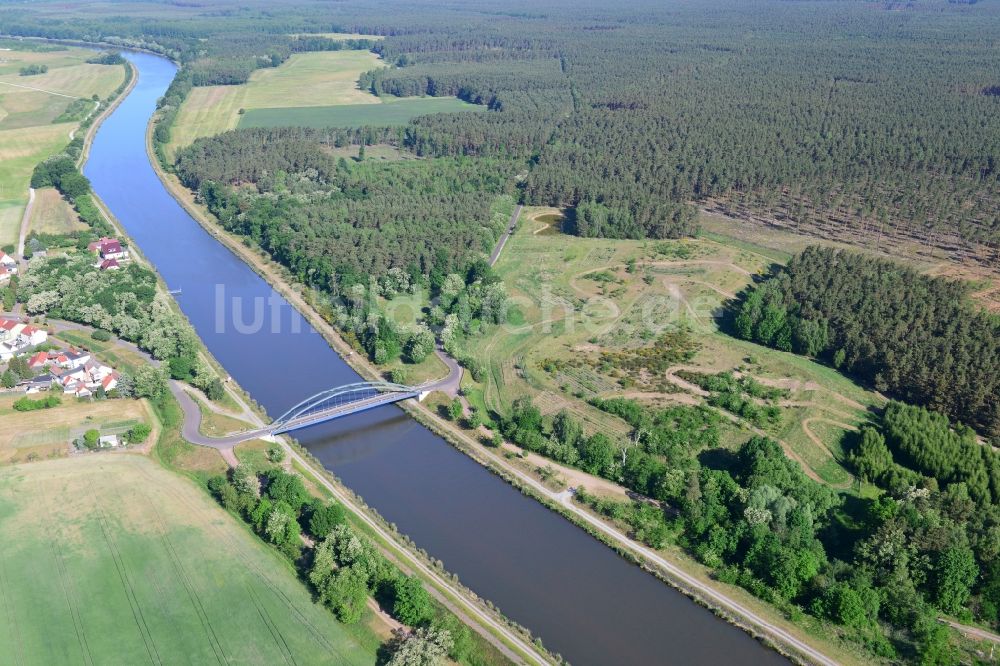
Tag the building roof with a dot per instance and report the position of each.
(110, 245)
(109, 263)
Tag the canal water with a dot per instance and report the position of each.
(581, 598)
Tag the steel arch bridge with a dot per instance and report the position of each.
(339, 402)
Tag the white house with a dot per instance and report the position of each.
(72, 359)
(109, 248)
(8, 262)
(15, 337)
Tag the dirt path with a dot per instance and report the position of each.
(785, 446)
(576, 478)
(698, 262)
(681, 398)
(51, 92)
(972, 632)
(25, 223)
(244, 414)
(672, 377)
(816, 440)
(506, 235)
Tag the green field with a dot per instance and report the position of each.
(110, 559)
(318, 89)
(326, 78)
(29, 105)
(396, 112)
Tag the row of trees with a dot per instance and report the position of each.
(344, 568)
(917, 337)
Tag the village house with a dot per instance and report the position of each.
(82, 381)
(39, 383)
(8, 263)
(16, 337)
(109, 248)
(64, 359)
(75, 371)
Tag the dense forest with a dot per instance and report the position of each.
(916, 337)
(335, 221)
(870, 120)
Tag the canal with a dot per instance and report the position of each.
(582, 599)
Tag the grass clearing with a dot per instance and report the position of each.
(177, 579)
(312, 79)
(576, 298)
(398, 112)
(20, 150)
(214, 424)
(254, 454)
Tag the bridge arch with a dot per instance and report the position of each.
(339, 400)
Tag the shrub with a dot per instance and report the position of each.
(138, 433)
(29, 405)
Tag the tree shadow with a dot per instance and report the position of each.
(719, 459)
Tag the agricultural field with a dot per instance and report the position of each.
(51, 214)
(136, 564)
(306, 79)
(392, 112)
(596, 318)
(318, 89)
(47, 433)
(37, 115)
